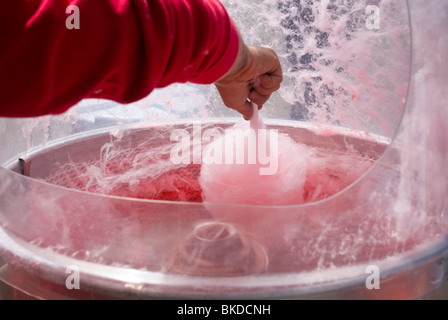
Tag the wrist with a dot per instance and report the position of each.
(240, 64)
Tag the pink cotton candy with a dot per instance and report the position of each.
(282, 181)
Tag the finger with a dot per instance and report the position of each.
(261, 89)
(267, 61)
(270, 81)
(257, 98)
(245, 109)
(233, 96)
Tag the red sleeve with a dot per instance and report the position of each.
(122, 51)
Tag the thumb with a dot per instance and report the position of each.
(246, 110)
(235, 97)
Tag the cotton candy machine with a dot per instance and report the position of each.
(93, 206)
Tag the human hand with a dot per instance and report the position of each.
(254, 76)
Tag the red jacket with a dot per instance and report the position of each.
(122, 50)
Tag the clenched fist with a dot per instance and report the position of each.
(254, 76)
